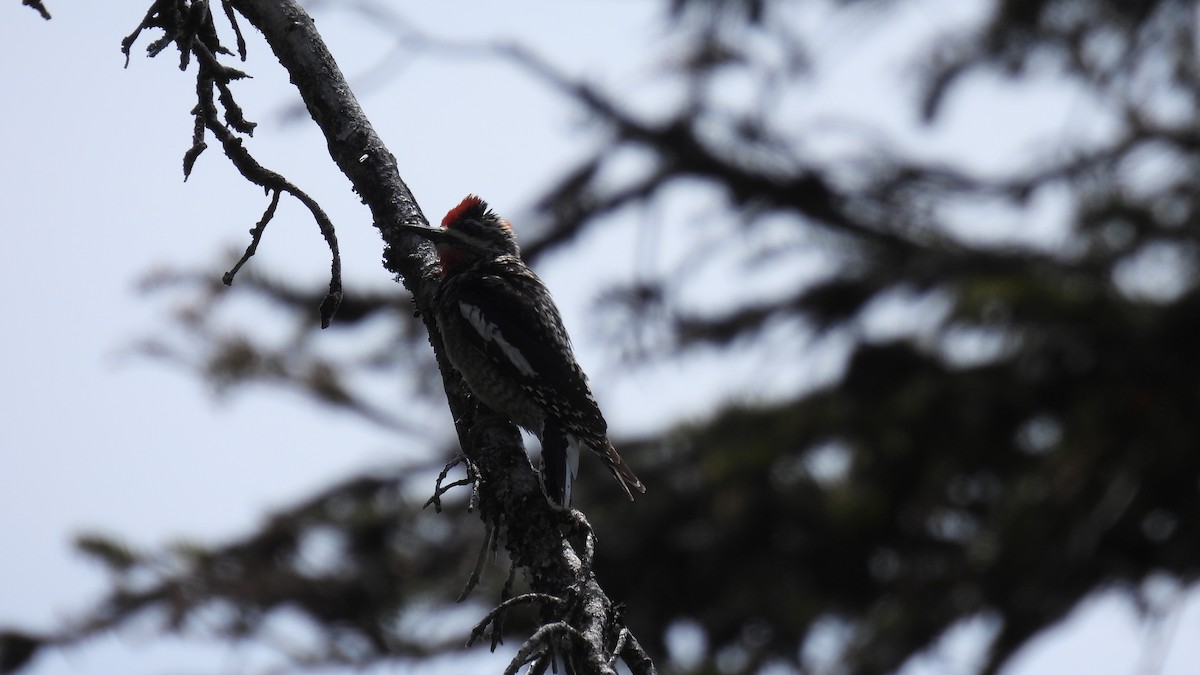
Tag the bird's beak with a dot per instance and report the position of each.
(434, 234)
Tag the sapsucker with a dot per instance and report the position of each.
(502, 331)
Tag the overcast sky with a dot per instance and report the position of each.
(90, 164)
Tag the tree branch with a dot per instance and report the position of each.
(536, 536)
(37, 7)
(580, 626)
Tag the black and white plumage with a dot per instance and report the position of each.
(503, 333)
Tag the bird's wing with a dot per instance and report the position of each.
(528, 341)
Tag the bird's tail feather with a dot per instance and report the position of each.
(621, 471)
(560, 466)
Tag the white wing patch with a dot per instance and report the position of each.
(574, 443)
(491, 333)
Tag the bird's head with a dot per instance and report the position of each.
(470, 231)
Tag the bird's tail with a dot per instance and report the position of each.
(620, 470)
(560, 465)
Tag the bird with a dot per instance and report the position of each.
(502, 331)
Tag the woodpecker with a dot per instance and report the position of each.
(503, 333)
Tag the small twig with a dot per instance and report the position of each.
(198, 144)
(147, 22)
(195, 34)
(231, 15)
(188, 34)
(622, 637)
(539, 644)
(256, 234)
(542, 664)
(633, 654)
(505, 594)
(38, 7)
(250, 169)
(490, 539)
(496, 616)
(589, 543)
(439, 489)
